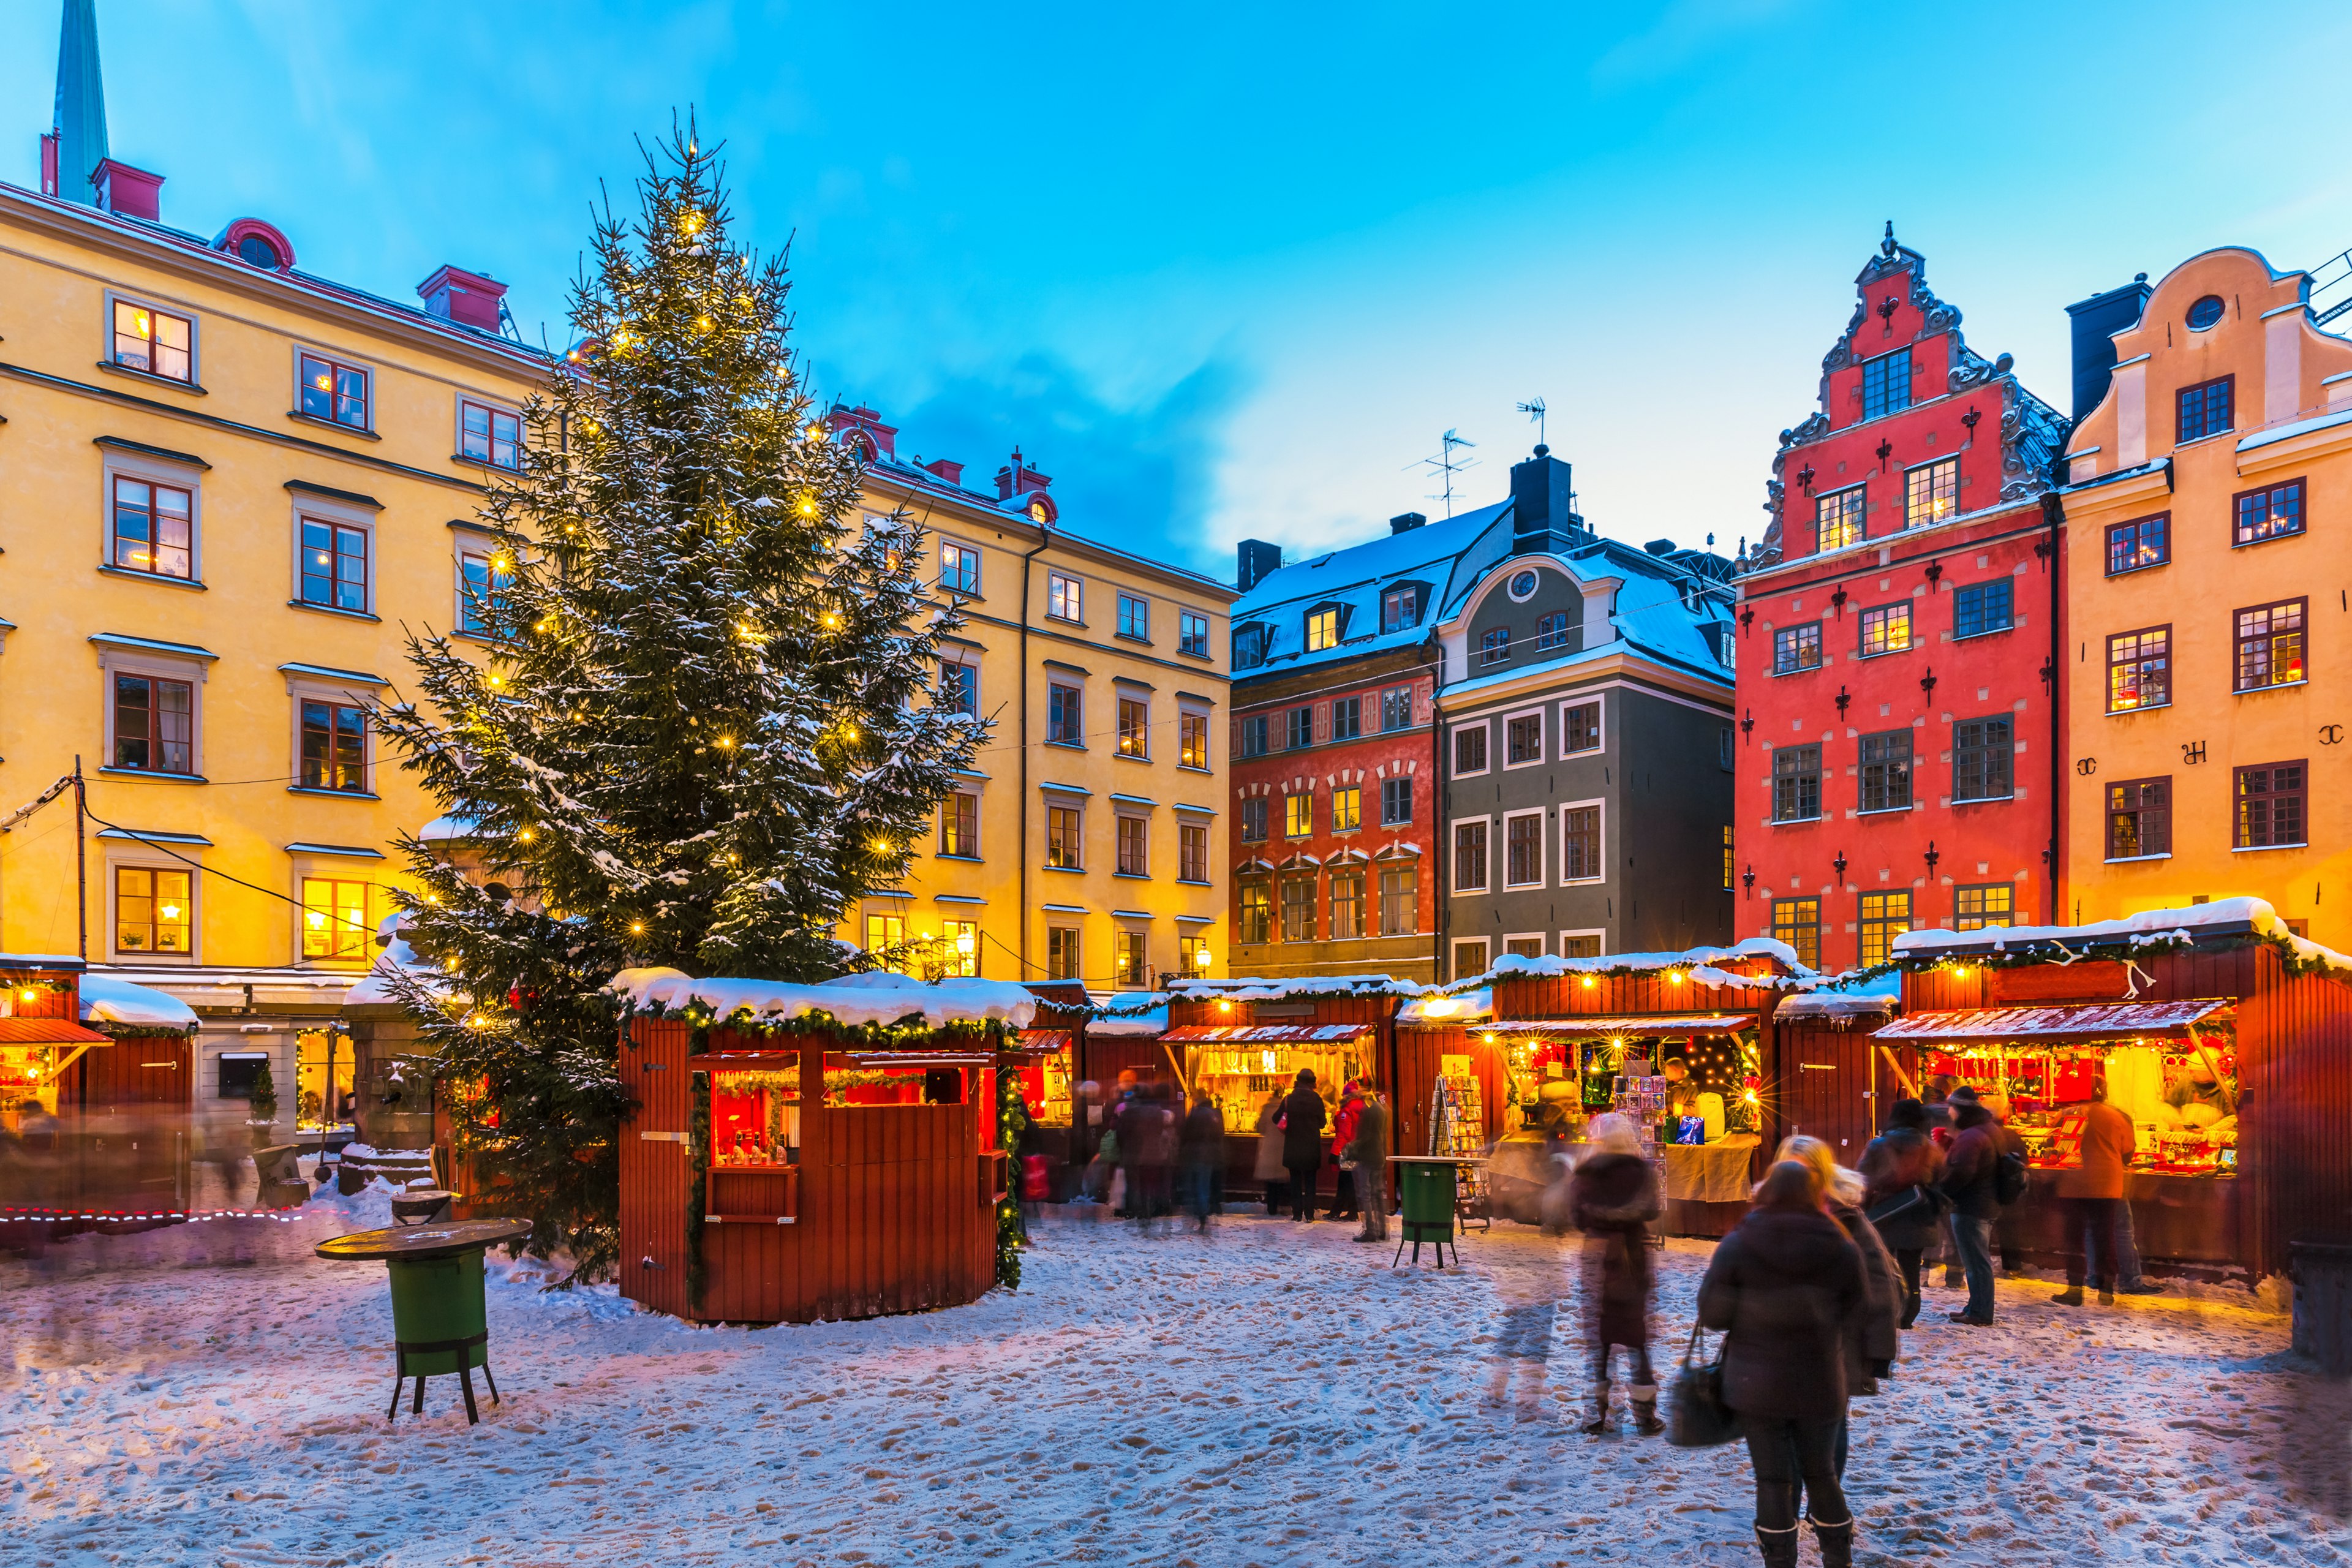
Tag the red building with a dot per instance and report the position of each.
(1898, 640)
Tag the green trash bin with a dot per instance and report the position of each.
(439, 1318)
(1426, 1190)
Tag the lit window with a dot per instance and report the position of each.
(1257, 914)
(1729, 859)
(1798, 922)
(1797, 648)
(2270, 646)
(1931, 492)
(884, 931)
(1062, 842)
(154, 724)
(152, 910)
(335, 923)
(2139, 818)
(1064, 597)
(335, 392)
(960, 949)
(334, 565)
(334, 747)
(960, 824)
(2269, 806)
(1129, 958)
(153, 528)
(1193, 956)
(1298, 909)
(1347, 808)
(959, 569)
(1297, 815)
(1885, 629)
(1974, 908)
(154, 342)
(1837, 518)
(1134, 728)
(1192, 741)
(488, 435)
(1884, 916)
(2139, 669)
(2271, 513)
(1062, 952)
(1322, 630)
(2144, 542)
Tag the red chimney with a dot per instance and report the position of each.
(1018, 478)
(466, 298)
(132, 192)
(947, 469)
(872, 437)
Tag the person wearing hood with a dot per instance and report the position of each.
(1871, 1349)
(1303, 1115)
(1786, 1286)
(1612, 1196)
(1900, 1170)
(1970, 1170)
(1269, 1168)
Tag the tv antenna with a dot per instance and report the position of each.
(1534, 409)
(1448, 465)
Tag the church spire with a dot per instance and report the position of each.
(82, 103)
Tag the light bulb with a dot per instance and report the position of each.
(726, 742)
(636, 928)
(1676, 976)
(1224, 1006)
(171, 912)
(1589, 982)
(524, 835)
(26, 995)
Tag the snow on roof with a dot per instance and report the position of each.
(375, 987)
(1254, 990)
(1467, 1007)
(1845, 998)
(875, 998)
(38, 960)
(1698, 963)
(2150, 928)
(2299, 427)
(1132, 1013)
(442, 829)
(1438, 554)
(1662, 607)
(106, 1000)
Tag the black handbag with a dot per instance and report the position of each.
(1903, 1204)
(1697, 1416)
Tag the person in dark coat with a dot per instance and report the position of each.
(1901, 1168)
(1612, 1196)
(1343, 1134)
(1787, 1286)
(1303, 1115)
(1969, 1173)
(1370, 1149)
(1200, 1151)
(1871, 1350)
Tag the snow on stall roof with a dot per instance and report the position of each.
(1698, 963)
(875, 998)
(1244, 989)
(1132, 1013)
(1845, 999)
(1465, 1007)
(106, 1000)
(2149, 928)
(375, 987)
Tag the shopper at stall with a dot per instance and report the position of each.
(1786, 1286)
(1303, 1117)
(1900, 1169)
(1343, 1132)
(1370, 1150)
(2202, 1086)
(1201, 1149)
(2090, 1192)
(1269, 1168)
(1612, 1198)
(1971, 1172)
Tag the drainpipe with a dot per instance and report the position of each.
(2053, 509)
(1044, 538)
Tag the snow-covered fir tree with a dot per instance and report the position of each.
(695, 720)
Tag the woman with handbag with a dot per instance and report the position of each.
(1787, 1286)
(1612, 1196)
(1303, 1115)
(1900, 1169)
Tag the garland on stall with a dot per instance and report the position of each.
(986, 1034)
(1012, 1122)
(697, 1197)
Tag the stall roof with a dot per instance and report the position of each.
(1448, 1012)
(48, 1031)
(2078, 1021)
(1645, 1024)
(2222, 918)
(1132, 1013)
(1044, 1040)
(109, 999)
(1262, 1034)
(852, 999)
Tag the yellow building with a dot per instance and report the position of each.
(1094, 849)
(227, 487)
(2207, 497)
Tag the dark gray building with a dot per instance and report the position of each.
(1585, 756)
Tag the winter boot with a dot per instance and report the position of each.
(1779, 1546)
(1645, 1410)
(1599, 1425)
(1837, 1543)
(2070, 1297)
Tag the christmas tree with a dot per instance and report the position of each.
(704, 725)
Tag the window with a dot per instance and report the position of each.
(1063, 844)
(1347, 808)
(1192, 741)
(1523, 851)
(1580, 945)
(1064, 598)
(1396, 708)
(2205, 408)
(1322, 630)
(959, 569)
(1254, 820)
(1798, 922)
(2139, 818)
(1837, 518)
(1347, 905)
(1254, 730)
(1730, 860)
(1495, 645)
(1249, 647)
(1347, 718)
(1193, 633)
(1064, 715)
(1579, 844)
(959, 688)
(1399, 901)
(2270, 646)
(2145, 541)
(151, 911)
(1886, 629)
(1257, 914)
(1298, 909)
(1297, 815)
(1723, 747)
(1134, 617)
(1886, 770)
(1400, 608)
(1298, 729)
(1469, 958)
(1796, 784)
(1931, 492)
(1582, 727)
(334, 565)
(1797, 648)
(335, 923)
(1470, 750)
(1131, 958)
(1974, 908)
(1396, 802)
(334, 747)
(1134, 728)
(1983, 607)
(2269, 806)
(2139, 669)
(154, 342)
(335, 392)
(1551, 631)
(2269, 513)
(1886, 384)
(960, 949)
(1192, 852)
(1983, 751)
(488, 435)
(1523, 947)
(1134, 847)
(1470, 857)
(1193, 956)
(1885, 916)
(1062, 952)
(481, 597)
(154, 724)
(960, 824)
(1523, 740)
(154, 529)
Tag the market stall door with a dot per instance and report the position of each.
(1827, 1085)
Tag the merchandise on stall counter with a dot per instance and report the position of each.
(2181, 1096)
(755, 1119)
(1239, 1077)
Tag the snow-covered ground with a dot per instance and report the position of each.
(1270, 1395)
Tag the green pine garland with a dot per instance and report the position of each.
(1012, 1122)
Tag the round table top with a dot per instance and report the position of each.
(425, 1240)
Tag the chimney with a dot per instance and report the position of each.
(466, 298)
(947, 469)
(48, 162)
(1405, 522)
(878, 441)
(1543, 514)
(1662, 547)
(2094, 321)
(1258, 560)
(132, 193)
(1018, 478)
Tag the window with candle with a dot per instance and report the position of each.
(152, 910)
(155, 342)
(154, 528)
(335, 918)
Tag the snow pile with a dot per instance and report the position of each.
(1698, 963)
(852, 999)
(106, 1000)
(1463, 1008)
(1132, 1013)
(447, 830)
(1254, 990)
(375, 987)
(1875, 998)
(2149, 928)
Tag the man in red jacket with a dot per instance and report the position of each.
(2092, 1192)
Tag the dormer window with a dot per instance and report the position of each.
(1400, 608)
(1249, 647)
(1322, 628)
(1039, 512)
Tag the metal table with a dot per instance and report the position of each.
(439, 1320)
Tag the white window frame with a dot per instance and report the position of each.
(1542, 945)
(150, 470)
(1453, 752)
(339, 514)
(300, 687)
(1485, 956)
(131, 856)
(1566, 807)
(457, 417)
(188, 313)
(1453, 858)
(351, 361)
(1596, 932)
(1543, 753)
(1600, 730)
(978, 576)
(1543, 847)
(156, 664)
(1077, 585)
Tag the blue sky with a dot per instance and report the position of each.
(1229, 271)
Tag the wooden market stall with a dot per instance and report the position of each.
(813, 1151)
(1047, 1065)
